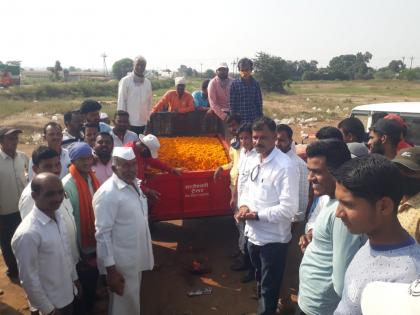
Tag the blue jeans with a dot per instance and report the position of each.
(269, 262)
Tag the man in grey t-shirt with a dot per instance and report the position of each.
(369, 191)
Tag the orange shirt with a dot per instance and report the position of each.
(172, 101)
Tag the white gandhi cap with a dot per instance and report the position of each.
(124, 153)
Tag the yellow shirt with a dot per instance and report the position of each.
(409, 216)
(233, 165)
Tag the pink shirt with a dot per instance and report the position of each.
(219, 96)
(102, 171)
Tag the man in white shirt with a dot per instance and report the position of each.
(284, 143)
(47, 160)
(268, 208)
(46, 269)
(53, 136)
(135, 96)
(122, 233)
(120, 132)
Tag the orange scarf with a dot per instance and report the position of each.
(87, 217)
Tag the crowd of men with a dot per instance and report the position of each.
(345, 215)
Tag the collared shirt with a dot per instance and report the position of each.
(322, 270)
(273, 193)
(200, 100)
(246, 100)
(102, 171)
(409, 216)
(64, 160)
(243, 170)
(26, 204)
(303, 184)
(70, 188)
(136, 99)
(219, 96)
(12, 180)
(122, 228)
(46, 269)
(173, 103)
(128, 136)
(68, 138)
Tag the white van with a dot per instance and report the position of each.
(409, 111)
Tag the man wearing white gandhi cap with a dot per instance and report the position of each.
(123, 239)
(179, 100)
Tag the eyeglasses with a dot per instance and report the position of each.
(255, 172)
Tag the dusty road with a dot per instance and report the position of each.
(176, 245)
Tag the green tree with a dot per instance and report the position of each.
(350, 67)
(209, 73)
(56, 70)
(121, 67)
(396, 66)
(271, 71)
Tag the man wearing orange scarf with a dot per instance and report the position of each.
(80, 185)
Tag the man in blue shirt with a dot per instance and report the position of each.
(201, 98)
(245, 93)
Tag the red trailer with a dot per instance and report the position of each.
(193, 194)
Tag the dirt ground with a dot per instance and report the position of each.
(164, 291)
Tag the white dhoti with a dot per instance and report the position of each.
(129, 302)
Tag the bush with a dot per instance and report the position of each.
(73, 89)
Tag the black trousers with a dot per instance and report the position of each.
(88, 277)
(269, 262)
(8, 226)
(137, 129)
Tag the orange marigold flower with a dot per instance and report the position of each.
(192, 153)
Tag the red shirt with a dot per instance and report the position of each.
(143, 163)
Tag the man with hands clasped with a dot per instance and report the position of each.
(268, 212)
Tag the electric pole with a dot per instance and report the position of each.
(201, 70)
(411, 62)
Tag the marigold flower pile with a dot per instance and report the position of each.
(192, 153)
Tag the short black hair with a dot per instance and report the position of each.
(105, 134)
(335, 152)
(69, 115)
(245, 61)
(286, 129)
(121, 113)
(91, 125)
(233, 117)
(354, 126)
(329, 132)
(245, 127)
(51, 124)
(89, 106)
(390, 128)
(205, 84)
(371, 177)
(259, 124)
(35, 186)
(43, 153)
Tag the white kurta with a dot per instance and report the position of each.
(136, 99)
(123, 238)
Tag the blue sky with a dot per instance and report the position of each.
(198, 33)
